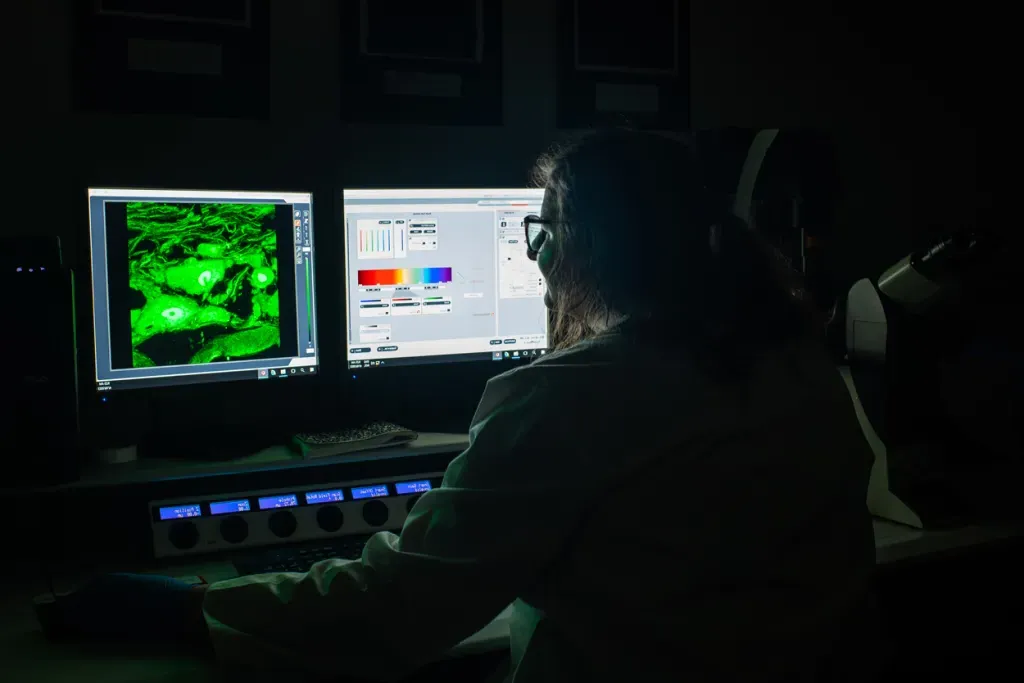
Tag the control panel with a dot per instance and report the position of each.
(259, 518)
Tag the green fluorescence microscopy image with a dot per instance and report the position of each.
(203, 283)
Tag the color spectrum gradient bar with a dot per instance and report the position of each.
(404, 276)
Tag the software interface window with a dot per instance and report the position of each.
(200, 286)
(437, 275)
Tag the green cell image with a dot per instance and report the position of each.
(203, 282)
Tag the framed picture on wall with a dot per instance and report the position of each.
(618, 66)
(412, 62)
(173, 57)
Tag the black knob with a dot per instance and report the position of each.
(375, 512)
(330, 518)
(282, 523)
(411, 503)
(234, 529)
(183, 535)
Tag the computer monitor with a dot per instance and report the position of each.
(201, 286)
(441, 275)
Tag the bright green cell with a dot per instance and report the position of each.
(267, 303)
(171, 313)
(239, 345)
(200, 273)
(262, 278)
(196, 277)
(210, 250)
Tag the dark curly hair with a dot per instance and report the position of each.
(637, 234)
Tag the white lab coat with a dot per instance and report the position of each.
(642, 518)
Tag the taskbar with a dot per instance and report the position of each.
(275, 373)
(518, 356)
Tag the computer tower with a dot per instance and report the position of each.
(39, 423)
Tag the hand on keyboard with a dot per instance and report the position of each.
(301, 558)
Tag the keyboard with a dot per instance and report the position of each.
(299, 558)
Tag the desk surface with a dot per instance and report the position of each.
(273, 458)
(26, 656)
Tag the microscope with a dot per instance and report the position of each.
(928, 355)
(944, 435)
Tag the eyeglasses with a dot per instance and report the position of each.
(536, 234)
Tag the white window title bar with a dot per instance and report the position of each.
(464, 193)
(187, 195)
(438, 208)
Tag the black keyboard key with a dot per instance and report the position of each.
(300, 558)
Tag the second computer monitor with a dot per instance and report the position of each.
(441, 275)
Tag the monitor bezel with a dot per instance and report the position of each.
(406, 364)
(202, 381)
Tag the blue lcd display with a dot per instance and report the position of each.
(180, 512)
(375, 491)
(227, 507)
(404, 488)
(287, 500)
(315, 497)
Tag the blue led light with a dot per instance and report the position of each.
(227, 507)
(286, 500)
(409, 487)
(374, 491)
(317, 497)
(180, 512)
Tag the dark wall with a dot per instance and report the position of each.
(899, 94)
(904, 163)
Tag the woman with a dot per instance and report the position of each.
(677, 492)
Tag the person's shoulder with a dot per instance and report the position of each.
(600, 350)
(553, 369)
(536, 421)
